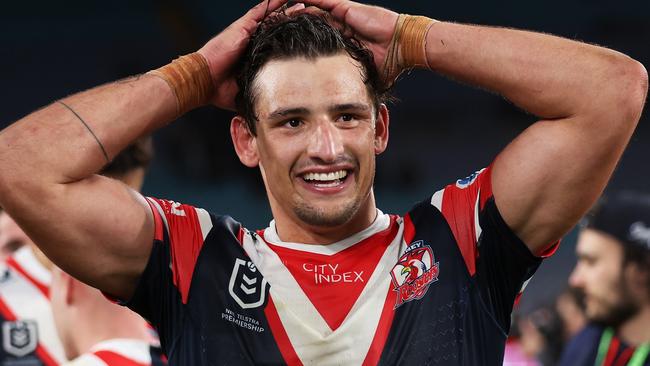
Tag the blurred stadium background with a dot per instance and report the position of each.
(440, 130)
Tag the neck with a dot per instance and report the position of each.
(108, 321)
(635, 330)
(291, 229)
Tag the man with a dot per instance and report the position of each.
(613, 271)
(332, 280)
(29, 335)
(96, 332)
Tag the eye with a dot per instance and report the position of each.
(346, 117)
(293, 123)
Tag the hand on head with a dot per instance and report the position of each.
(373, 26)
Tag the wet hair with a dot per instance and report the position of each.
(137, 155)
(310, 36)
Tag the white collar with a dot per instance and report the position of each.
(381, 222)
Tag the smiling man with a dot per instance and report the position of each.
(332, 280)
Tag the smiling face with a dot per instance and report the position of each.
(317, 137)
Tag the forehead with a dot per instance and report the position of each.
(309, 83)
(598, 244)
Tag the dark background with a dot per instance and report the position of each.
(440, 130)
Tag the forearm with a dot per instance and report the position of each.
(548, 76)
(71, 139)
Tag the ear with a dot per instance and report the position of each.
(636, 276)
(67, 285)
(244, 142)
(381, 129)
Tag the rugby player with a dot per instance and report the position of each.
(332, 280)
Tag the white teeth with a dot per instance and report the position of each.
(325, 177)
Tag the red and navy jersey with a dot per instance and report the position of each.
(433, 287)
(121, 352)
(27, 332)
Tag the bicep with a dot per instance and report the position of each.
(549, 176)
(98, 229)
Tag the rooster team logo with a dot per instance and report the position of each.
(414, 272)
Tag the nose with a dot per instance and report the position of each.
(326, 142)
(575, 278)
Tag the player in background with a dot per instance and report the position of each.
(97, 332)
(613, 272)
(28, 332)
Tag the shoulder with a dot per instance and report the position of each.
(183, 222)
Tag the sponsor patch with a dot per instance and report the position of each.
(414, 272)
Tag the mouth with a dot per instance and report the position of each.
(326, 179)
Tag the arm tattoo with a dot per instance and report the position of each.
(89, 130)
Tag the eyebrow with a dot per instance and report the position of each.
(283, 112)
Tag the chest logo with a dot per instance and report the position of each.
(247, 286)
(19, 338)
(414, 272)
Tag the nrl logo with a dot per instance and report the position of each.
(19, 338)
(247, 286)
(414, 272)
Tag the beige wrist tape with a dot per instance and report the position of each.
(189, 78)
(407, 48)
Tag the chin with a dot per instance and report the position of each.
(327, 217)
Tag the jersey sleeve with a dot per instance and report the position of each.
(495, 257)
(164, 287)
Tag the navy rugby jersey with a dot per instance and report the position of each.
(433, 287)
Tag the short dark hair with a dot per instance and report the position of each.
(137, 155)
(282, 36)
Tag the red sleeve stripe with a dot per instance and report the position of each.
(157, 218)
(461, 204)
(187, 227)
(115, 359)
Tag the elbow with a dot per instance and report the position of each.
(631, 91)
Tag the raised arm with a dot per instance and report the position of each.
(93, 227)
(589, 100)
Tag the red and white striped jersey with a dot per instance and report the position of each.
(120, 352)
(27, 335)
(435, 286)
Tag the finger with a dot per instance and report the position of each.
(327, 5)
(261, 10)
(295, 9)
